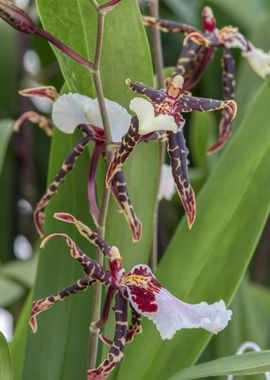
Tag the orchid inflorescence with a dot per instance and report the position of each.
(139, 290)
(158, 116)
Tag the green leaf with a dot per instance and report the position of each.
(5, 134)
(10, 291)
(20, 271)
(245, 364)
(208, 262)
(18, 344)
(202, 134)
(59, 349)
(5, 360)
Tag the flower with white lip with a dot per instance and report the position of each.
(166, 183)
(139, 290)
(72, 109)
(151, 299)
(159, 117)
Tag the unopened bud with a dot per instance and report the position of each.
(17, 18)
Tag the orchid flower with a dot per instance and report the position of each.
(159, 117)
(71, 111)
(198, 51)
(139, 290)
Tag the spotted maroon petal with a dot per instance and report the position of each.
(91, 184)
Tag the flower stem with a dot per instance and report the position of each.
(97, 291)
(156, 44)
(158, 65)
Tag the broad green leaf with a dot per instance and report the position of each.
(245, 364)
(59, 349)
(18, 344)
(208, 262)
(5, 360)
(202, 134)
(5, 134)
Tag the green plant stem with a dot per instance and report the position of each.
(97, 291)
(156, 44)
(158, 64)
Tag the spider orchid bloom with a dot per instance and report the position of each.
(139, 290)
(165, 109)
(71, 111)
(198, 51)
(166, 183)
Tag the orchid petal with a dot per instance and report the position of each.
(148, 122)
(169, 314)
(259, 61)
(119, 118)
(69, 111)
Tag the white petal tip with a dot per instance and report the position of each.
(259, 61)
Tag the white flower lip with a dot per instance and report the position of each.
(148, 122)
(171, 314)
(72, 109)
(174, 315)
(259, 61)
(166, 184)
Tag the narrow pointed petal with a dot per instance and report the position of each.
(120, 192)
(178, 153)
(46, 303)
(168, 25)
(151, 299)
(48, 92)
(91, 184)
(156, 96)
(116, 352)
(35, 118)
(66, 167)
(85, 231)
(225, 126)
(129, 142)
(91, 267)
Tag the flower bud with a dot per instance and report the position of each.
(17, 18)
